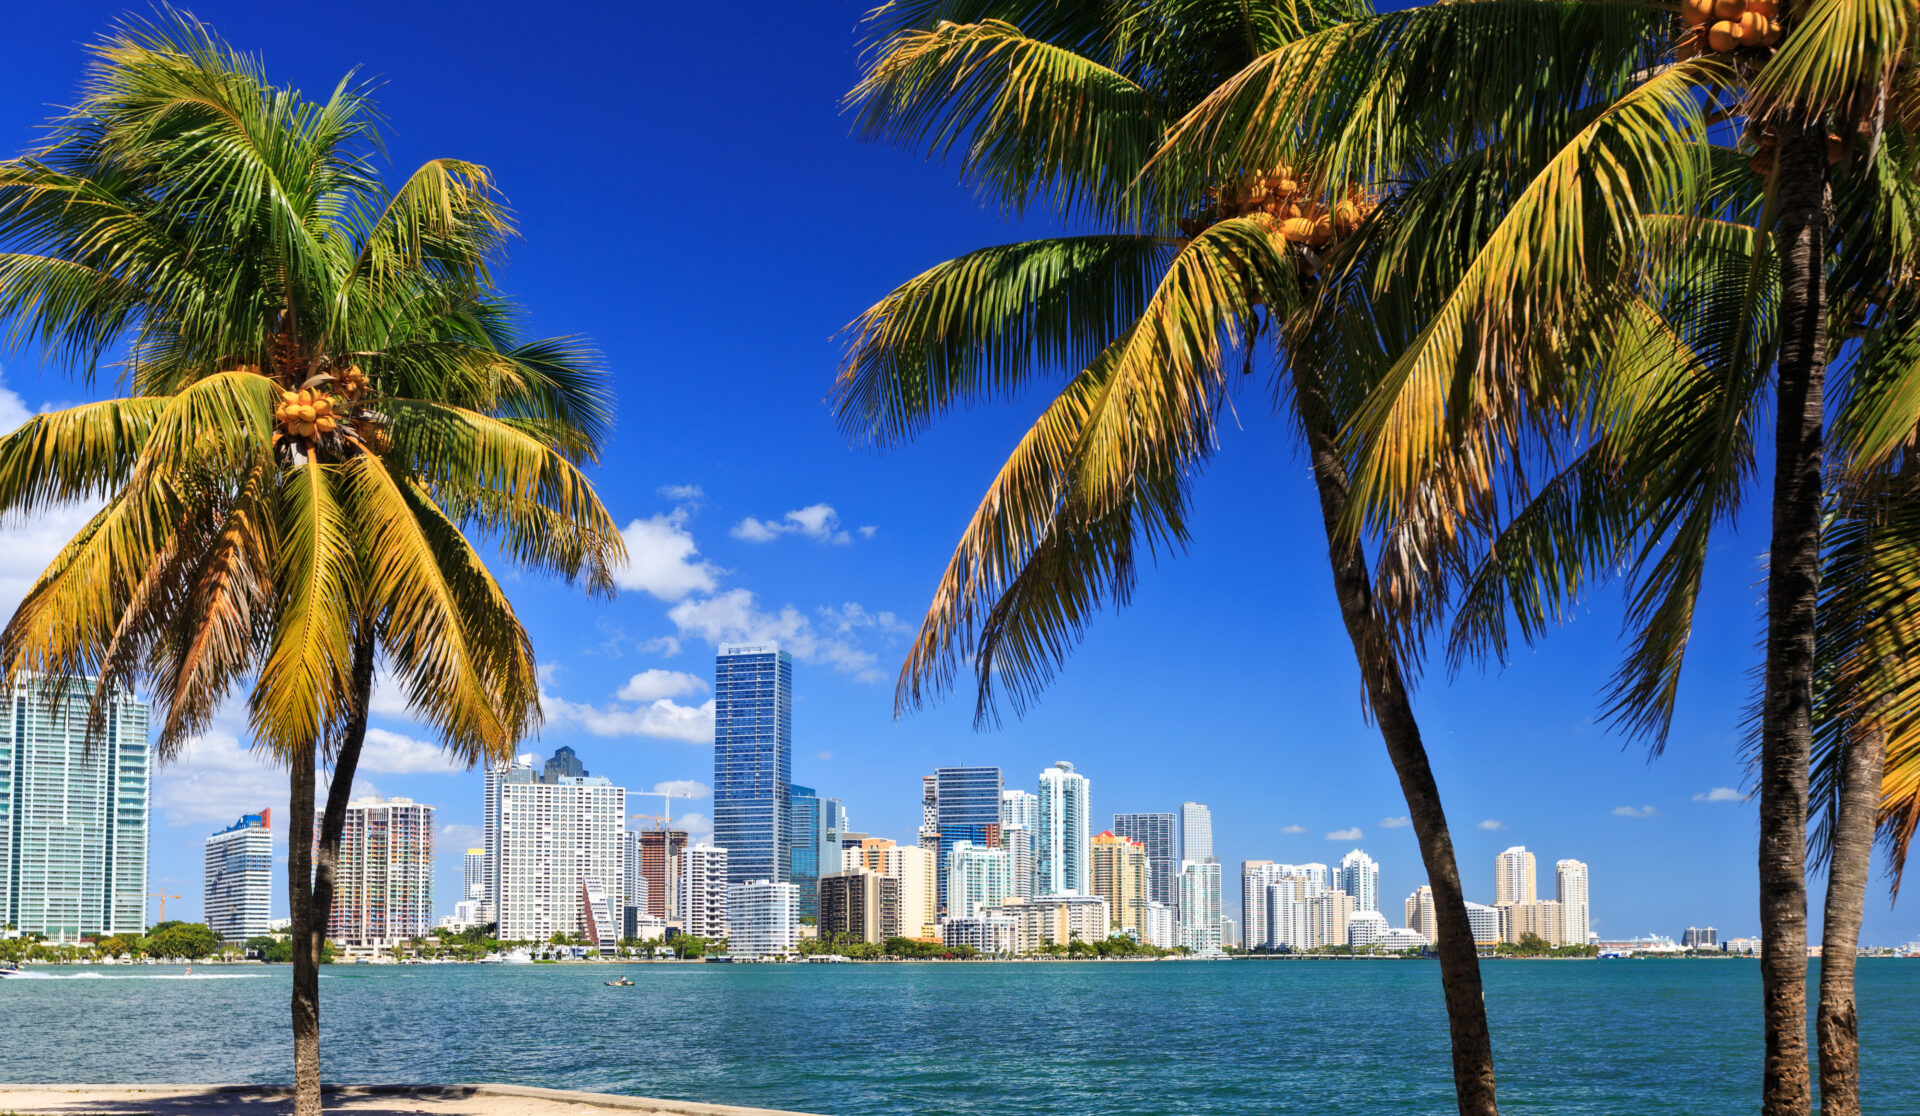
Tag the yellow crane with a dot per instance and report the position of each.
(163, 897)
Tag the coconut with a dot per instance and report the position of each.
(1297, 229)
(1773, 33)
(1751, 29)
(1836, 149)
(1767, 8)
(1728, 9)
(1696, 12)
(1720, 36)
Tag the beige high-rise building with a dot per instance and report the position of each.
(1420, 917)
(1120, 877)
(1570, 888)
(860, 903)
(1513, 877)
(1532, 916)
(913, 867)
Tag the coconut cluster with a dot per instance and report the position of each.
(1304, 216)
(352, 383)
(1728, 25)
(306, 413)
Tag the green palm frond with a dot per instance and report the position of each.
(80, 453)
(303, 688)
(1835, 58)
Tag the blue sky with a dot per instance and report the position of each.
(691, 199)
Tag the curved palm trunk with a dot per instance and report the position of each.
(311, 866)
(1837, 1021)
(1473, 1077)
(1793, 589)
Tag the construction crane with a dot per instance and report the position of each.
(666, 798)
(163, 897)
(664, 820)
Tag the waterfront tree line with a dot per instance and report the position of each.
(1539, 288)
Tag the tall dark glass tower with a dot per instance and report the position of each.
(753, 760)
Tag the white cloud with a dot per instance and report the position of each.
(215, 780)
(698, 826)
(652, 685)
(867, 531)
(664, 646)
(684, 788)
(852, 617)
(823, 756)
(682, 493)
(1351, 833)
(664, 719)
(663, 560)
(390, 753)
(1720, 794)
(1396, 823)
(734, 616)
(1491, 824)
(1634, 811)
(459, 837)
(818, 522)
(1293, 829)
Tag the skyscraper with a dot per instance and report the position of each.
(978, 877)
(966, 808)
(1018, 807)
(912, 865)
(1255, 877)
(1021, 859)
(383, 887)
(73, 810)
(238, 886)
(1062, 863)
(1156, 833)
(1513, 877)
(753, 760)
(636, 894)
(1359, 877)
(564, 761)
(1420, 916)
(1200, 906)
(929, 812)
(473, 874)
(553, 831)
(1120, 876)
(860, 903)
(1570, 887)
(1196, 832)
(803, 851)
(762, 919)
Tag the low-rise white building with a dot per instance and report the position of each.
(1401, 937)
(992, 934)
(763, 919)
(1161, 926)
(1365, 928)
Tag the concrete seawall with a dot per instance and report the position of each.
(360, 1100)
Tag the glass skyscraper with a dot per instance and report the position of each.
(753, 761)
(816, 826)
(73, 810)
(966, 807)
(1156, 833)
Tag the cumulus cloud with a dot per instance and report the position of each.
(663, 719)
(664, 646)
(215, 780)
(735, 617)
(390, 753)
(1350, 834)
(818, 522)
(682, 493)
(652, 685)
(1634, 811)
(1720, 794)
(1490, 823)
(683, 788)
(663, 560)
(1396, 823)
(697, 826)
(459, 837)
(1293, 829)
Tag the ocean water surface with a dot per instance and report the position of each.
(1625, 1038)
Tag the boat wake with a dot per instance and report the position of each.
(24, 975)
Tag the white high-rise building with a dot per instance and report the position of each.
(239, 878)
(473, 875)
(1161, 927)
(599, 925)
(1359, 877)
(1255, 877)
(383, 888)
(1196, 833)
(977, 878)
(1303, 915)
(73, 810)
(1320, 874)
(1200, 906)
(1570, 888)
(1018, 807)
(1021, 861)
(929, 811)
(763, 918)
(553, 830)
(1063, 861)
(1420, 916)
(1485, 922)
(702, 891)
(1514, 877)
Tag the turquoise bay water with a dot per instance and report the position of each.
(1620, 1038)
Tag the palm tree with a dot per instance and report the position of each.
(1646, 200)
(325, 395)
(1194, 273)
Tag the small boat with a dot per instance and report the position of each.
(623, 982)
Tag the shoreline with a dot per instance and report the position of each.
(365, 1100)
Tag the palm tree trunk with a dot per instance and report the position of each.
(324, 857)
(1473, 1077)
(1847, 869)
(1793, 589)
